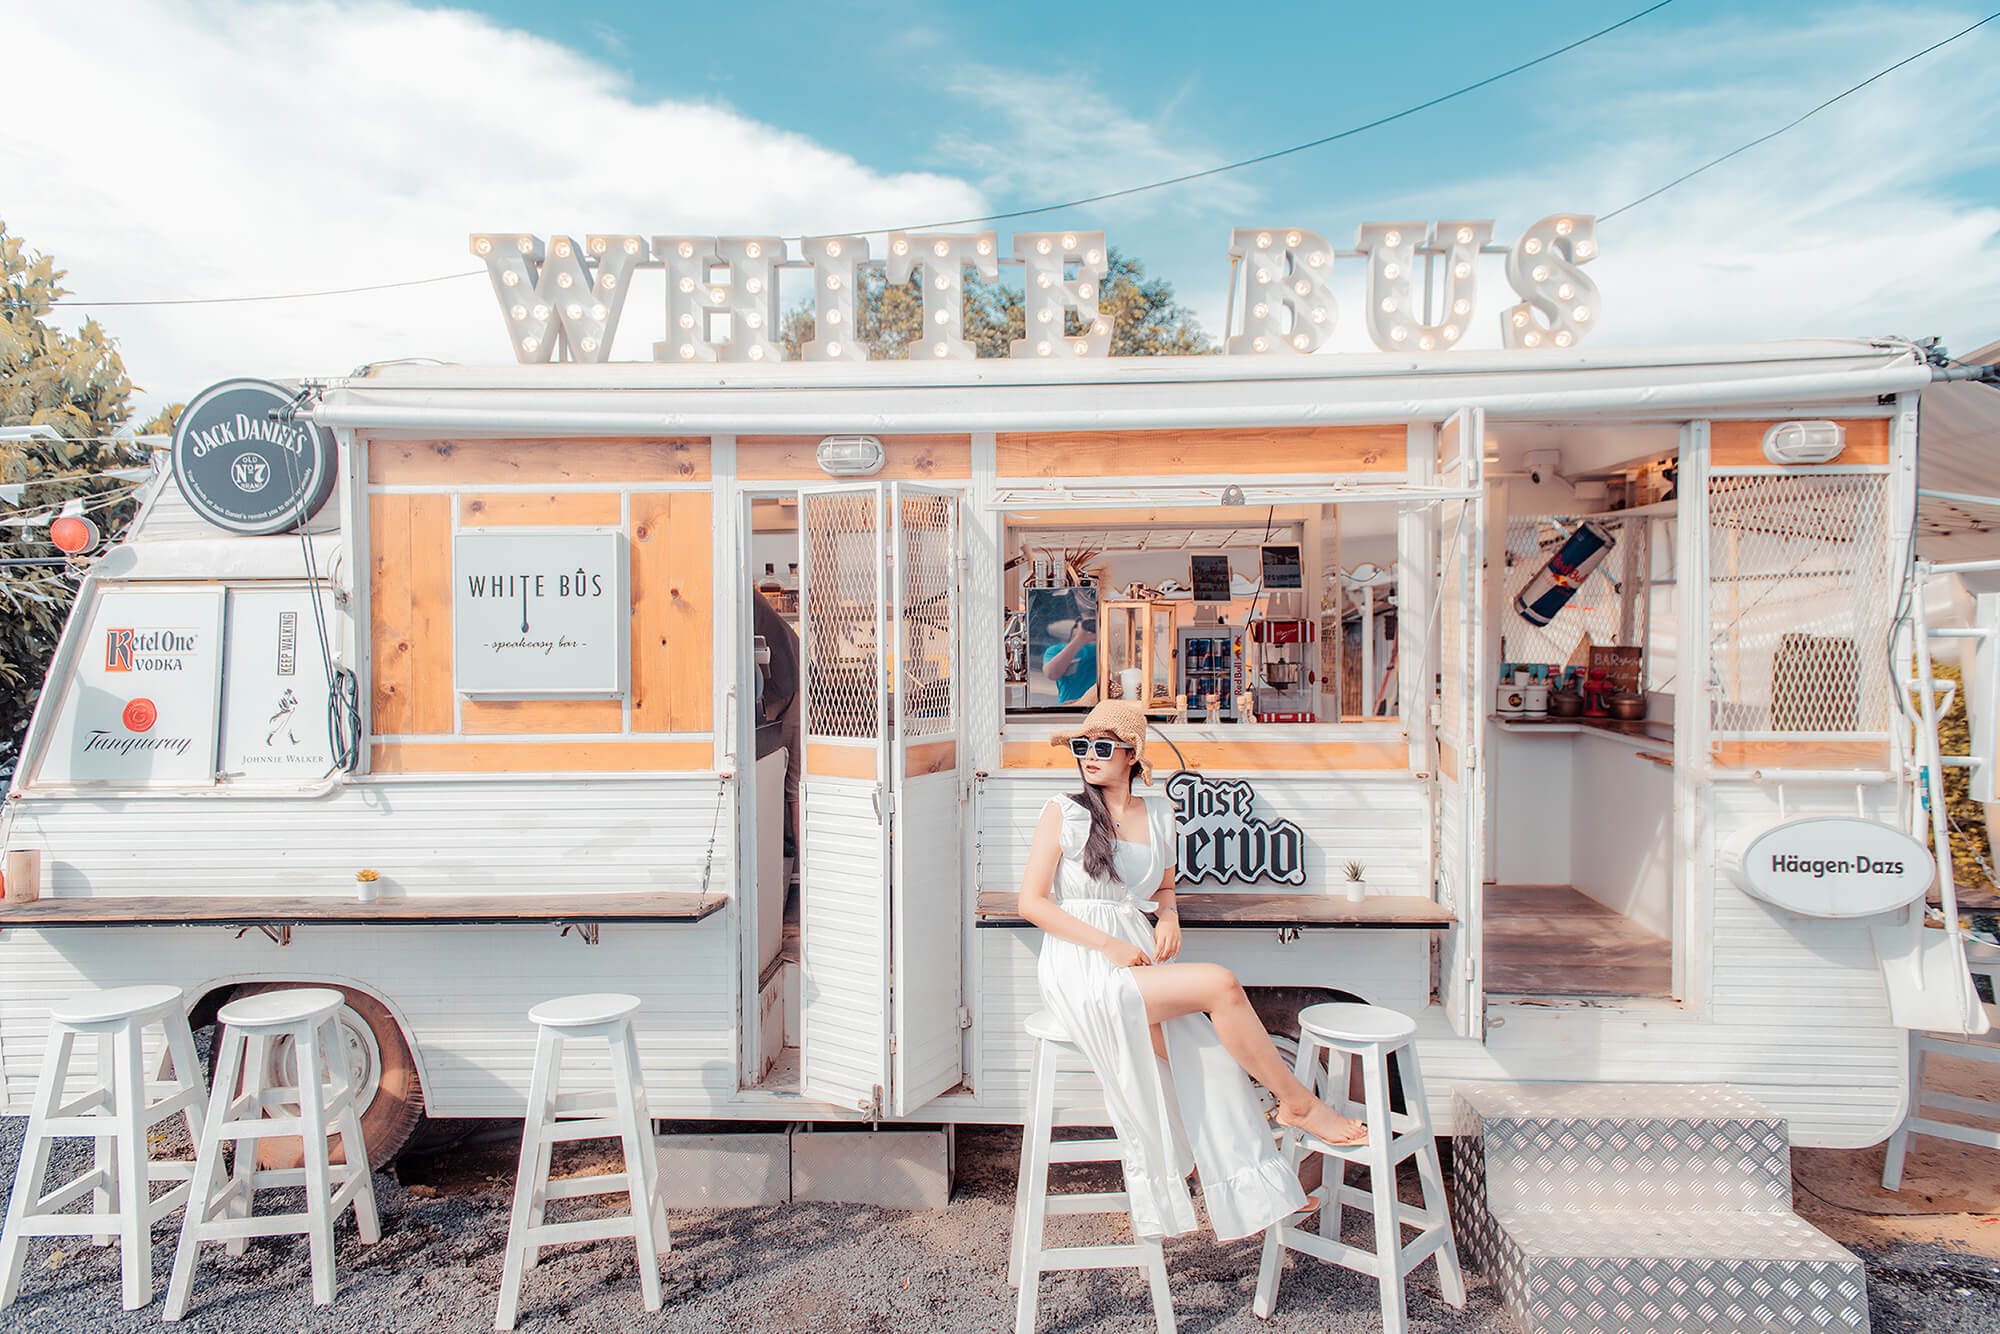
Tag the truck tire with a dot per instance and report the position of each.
(390, 1099)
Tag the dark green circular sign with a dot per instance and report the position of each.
(242, 469)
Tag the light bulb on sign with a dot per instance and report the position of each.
(1286, 277)
(1051, 296)
(1558, 298)
(948, 253)
(1391, 249)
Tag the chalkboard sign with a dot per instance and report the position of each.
(1211, 578)
(1282, 568)
(1621, 663)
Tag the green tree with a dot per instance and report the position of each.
(1146, 320)
(75, 384)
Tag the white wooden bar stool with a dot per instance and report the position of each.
(1027, 1258)
(619, 1113)
(245, 1106)
(1371, 1035)
(118, 1111)
(1982, 958)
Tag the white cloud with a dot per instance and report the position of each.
(244, 149)
(1053, 138)
(1855, 223)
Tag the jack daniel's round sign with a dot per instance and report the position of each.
(245, 471)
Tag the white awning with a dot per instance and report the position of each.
(1958, 450)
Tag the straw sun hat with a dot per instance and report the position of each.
(1122, 719)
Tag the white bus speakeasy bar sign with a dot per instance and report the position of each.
(539, 613)
(560, 295)
(1221, 840)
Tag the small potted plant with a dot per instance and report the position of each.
(366, 885)
(1357, 881)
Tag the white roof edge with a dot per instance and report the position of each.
(1117, 394)
(994, 371)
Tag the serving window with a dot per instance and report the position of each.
(1218, 616)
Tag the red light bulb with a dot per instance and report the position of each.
(73, 535)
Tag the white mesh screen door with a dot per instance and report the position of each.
(844, 629)
(926, 894)
(1461, 802)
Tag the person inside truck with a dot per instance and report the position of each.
(779, 702)
(1153, 1028)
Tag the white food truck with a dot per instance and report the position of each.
(507, 668)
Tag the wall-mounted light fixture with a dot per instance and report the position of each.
(1804, 442)
(850, 455)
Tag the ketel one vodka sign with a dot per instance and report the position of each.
(539, 613)
(139, 708)
(1222, 839)
(243, 469)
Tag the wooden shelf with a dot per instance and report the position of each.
(1253, 911)
(492, 910)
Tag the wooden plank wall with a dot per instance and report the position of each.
(415, 491)
(1272, 451)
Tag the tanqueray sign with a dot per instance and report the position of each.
(562, 301)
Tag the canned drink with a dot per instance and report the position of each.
(1550, 591)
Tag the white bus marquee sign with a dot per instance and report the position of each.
(1222, 839)
(562, 300)
(1835, 866)
(539, 613)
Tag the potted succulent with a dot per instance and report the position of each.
(1357, 881)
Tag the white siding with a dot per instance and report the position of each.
(487, 836)
(843, 945)
(462, 993)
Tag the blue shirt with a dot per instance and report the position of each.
(1080, 679)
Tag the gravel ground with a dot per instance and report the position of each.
(829, 1269)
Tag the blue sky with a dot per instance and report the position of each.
(278, 147)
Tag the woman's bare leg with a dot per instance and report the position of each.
(1171, 990)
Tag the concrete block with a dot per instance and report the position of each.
(896, 1169)
(726, 1171)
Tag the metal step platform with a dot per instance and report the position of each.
(1622, 1208)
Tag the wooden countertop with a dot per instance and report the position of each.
(1652, 733)
(212, 910)
(1248, 911)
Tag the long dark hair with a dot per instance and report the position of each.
(1100, 850)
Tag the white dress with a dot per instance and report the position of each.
(1197, 1104)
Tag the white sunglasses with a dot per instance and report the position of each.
(1095, 748)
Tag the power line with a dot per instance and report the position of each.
(1299, 148)
(961, 222)
(280, 296)
(1606, 217)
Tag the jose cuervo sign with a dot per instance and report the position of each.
(1835, 866)
(1222, 840)
(539, 613)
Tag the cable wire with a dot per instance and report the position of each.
(1764, 139)
(1170, 181)
(1297, 148)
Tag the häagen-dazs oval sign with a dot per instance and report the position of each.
(1835, 866)
(245, 471)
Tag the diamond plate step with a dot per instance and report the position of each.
(1626, 1146)
(1631, 1208)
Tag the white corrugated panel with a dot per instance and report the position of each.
(1381, 823)
(929, 900)
(461, 992)
(491, 836)
(843, 945)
